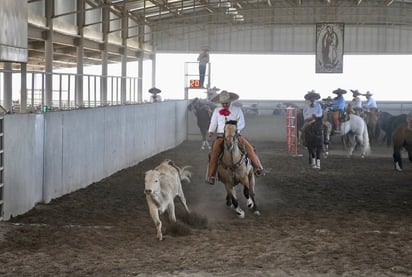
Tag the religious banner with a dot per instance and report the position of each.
(329, 47)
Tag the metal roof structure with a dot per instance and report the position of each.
(127, 29)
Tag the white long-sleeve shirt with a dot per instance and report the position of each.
(371, 104)
(217, 121)
(357, 102)
(309, 111)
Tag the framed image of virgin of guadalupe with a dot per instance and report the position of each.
(329, 47)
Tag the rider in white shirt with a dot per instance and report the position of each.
(220, 115)
(357, 105)
(371, 103)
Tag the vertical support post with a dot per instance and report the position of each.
(49, 50)
(8, 86)
(1, 168)
(23, 88)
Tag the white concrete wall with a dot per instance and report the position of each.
(52, 154)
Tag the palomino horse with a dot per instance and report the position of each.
(401, 138)
(203, 110)
(313, 136)
(357, 132)
(234, 167)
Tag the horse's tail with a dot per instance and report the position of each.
(365, 135)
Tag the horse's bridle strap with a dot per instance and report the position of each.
(234, 166)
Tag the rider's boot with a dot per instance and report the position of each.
(250, 150)
(213, 157)
(337, 130)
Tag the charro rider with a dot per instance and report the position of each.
(311, 111)
(338, 107)
(370, 105)
(356, 103)
(217, 123)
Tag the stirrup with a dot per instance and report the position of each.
(259, 172)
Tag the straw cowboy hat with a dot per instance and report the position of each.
(154, 90)
(355, 92)
(339, 91)
(225, 97)
(312, 95)
(367, 94)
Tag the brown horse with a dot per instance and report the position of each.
(235, 167)
(401, 138)
(372, 122)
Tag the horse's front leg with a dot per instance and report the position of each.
(235, 204)
(250, 191)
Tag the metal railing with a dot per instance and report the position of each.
(64, 92)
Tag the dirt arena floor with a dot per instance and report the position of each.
(353, 217)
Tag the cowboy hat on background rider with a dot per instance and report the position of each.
(217, 124)
(338, 107)
(311, 110)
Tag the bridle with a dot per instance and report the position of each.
(230, 148)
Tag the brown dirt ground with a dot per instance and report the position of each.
(351, 218)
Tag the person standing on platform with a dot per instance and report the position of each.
(203, 60)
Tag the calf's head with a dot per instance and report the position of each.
(152, 182)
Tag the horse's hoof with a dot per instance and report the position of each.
(240, 213)
(250, 203)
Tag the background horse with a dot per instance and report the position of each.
(401, 138)
(373, 127)
(203, 110)
(235, 167)
(313, 134)
(389, 123)
(357, 132)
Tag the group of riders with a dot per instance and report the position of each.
(334, 108)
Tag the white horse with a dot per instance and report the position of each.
(357, 131)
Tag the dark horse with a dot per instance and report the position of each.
(203, 110)
(389, 123)
(314, 138)
(401, 138)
